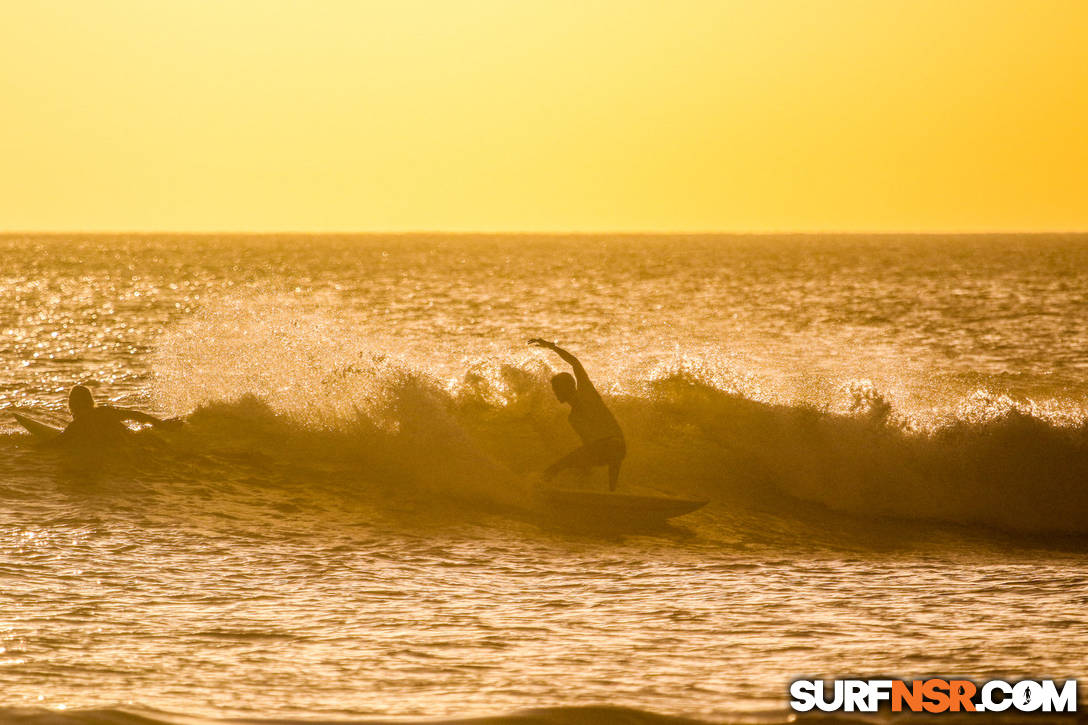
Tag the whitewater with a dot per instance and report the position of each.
(892, 433)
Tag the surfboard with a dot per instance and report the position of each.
(616, 508)
(38, 429)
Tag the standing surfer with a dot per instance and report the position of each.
(602, 439)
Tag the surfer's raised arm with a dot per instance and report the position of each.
(580, 373)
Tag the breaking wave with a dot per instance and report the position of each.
(288, 398)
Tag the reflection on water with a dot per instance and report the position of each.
(890, 434)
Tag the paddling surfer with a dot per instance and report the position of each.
(100, 424)
(602, 439)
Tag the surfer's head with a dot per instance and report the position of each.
(564, 386)
(80, 400)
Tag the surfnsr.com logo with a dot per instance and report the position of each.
(933, 695)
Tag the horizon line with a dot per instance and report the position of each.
(539, 233)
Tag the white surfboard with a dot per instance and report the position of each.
(40, 430)
(616, 508)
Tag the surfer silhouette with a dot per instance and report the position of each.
(602, 439)
(100, 424)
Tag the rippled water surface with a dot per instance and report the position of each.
(890, 432)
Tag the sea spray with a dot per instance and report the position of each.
(695, 427)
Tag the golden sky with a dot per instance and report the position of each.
(544, 115)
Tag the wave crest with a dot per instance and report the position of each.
(286, 383)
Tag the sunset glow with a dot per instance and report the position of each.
(557, 115)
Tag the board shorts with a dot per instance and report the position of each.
(607, 450)
(601, 452)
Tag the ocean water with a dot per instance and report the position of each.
(891, 433)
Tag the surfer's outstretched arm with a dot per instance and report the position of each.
(141, 417)
(580, 373)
